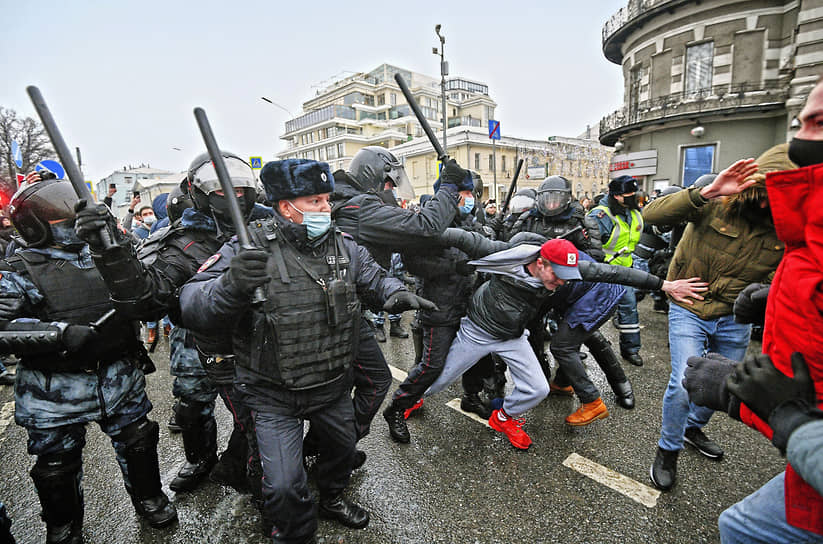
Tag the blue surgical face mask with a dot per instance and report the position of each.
(467, 206)
(317, 223)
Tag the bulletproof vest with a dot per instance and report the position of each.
(551, 227)
(77, 296)
(305, 333)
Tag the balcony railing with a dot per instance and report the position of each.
(721, 97)
(634, 9)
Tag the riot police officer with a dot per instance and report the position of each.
(294, 351)
(364, 205)
(88, 365)
(143, 286)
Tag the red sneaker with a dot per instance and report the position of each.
(513, 429)
(409, 412)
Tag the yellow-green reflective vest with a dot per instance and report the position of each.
(623, 239)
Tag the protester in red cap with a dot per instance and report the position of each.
(524, 278)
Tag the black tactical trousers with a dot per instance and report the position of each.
(278, 418)
(372, 379)
(565, 347)
(436, 344)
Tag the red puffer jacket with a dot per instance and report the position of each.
(794, 313)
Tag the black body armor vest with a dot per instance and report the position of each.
(306, 332)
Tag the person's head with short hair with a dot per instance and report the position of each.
(491, 206)
(146, 215)
(556, 263)
(806, 148)
(5, 222)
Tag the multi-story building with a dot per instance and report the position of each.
(369, 109)
(708, 82)
(131, 179)
(584, 162)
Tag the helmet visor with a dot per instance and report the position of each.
(552, 202)
(400, 180)
(240, 173)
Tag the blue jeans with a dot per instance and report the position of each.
(689, 335)
(761, 518)
(628, 322)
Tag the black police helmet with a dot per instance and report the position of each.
(203, 186)
(43, 214)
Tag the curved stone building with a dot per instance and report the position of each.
(707, 82)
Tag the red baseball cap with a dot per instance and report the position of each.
(562, 255)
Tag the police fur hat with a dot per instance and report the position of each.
(622, 185)
(291, 178)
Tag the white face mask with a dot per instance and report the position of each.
(149, 220)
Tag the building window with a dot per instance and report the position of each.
(491, 163)
(341, 150)
(477, 161)
(699, 67)
(381, 99)
(322, 153)
(503, 163)
(696, 161)
(393, 99)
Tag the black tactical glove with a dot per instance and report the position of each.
(247, 270)
(75, 337)
(705, 381)
(453, 174)
(11, 307)
(495, 222)
(400, 301)
(750, 305)
(90, 221)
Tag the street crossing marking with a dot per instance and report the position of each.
(454, 404)
(632, 489)
(397, 374)
(6, 415)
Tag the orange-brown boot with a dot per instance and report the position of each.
(588, 412)
(152, 336)
(166, 330)
(563, 391)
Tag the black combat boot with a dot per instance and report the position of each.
(397, 424)
(57, 480)
(603, 353)
(199, 443)
(664, 469)
(471, 402)
(142, 475)
(173, 426)
(230, 470)
(344, 511)
(397, 330)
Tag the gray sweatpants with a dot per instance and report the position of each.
(473, 343)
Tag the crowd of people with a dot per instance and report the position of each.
(491, 286)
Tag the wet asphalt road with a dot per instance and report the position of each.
(457, 482)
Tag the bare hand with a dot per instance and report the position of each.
(135, 200)
(731, 180)
(683, 290)
(32, 177)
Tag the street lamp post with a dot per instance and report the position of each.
(444, 71)
(273, 103)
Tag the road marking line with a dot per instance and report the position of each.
(634, 490)
(454, 404)
(397, 374)
(6, 415)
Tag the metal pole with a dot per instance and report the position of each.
(494, 162)
(443, 71)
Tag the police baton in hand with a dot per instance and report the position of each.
(228, 189)
(441, 153)
(66, 159)
(512, 187)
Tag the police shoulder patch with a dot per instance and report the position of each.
(209, 262)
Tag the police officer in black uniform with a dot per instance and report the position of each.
(143, 286)
(87, 365)
(364, 206)
(294, 351)
(558, 214)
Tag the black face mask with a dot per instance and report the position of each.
(806, 152)
(630, 202)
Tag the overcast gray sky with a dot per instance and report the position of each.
(121, 78)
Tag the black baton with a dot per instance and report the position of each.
(63, 153)
(441, 154)
(228, 189)
(512, 187)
